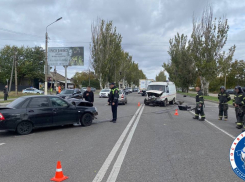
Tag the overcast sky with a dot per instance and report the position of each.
(146, 25)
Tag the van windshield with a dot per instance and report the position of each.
(156, 87)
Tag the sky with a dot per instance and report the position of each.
(145, 25)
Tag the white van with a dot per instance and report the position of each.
(160, 93)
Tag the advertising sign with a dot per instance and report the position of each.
(66, 56)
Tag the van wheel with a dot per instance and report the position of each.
(172, 102)
(165, 103)
(86, 119)
(24, 128)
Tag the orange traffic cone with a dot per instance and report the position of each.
(138, 104)
(176, 112)
(59, 176)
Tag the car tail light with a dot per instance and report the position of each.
(122, 96)
(1, 117)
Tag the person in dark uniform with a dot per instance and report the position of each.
(239, 103)
(199, 105)
(5, 92)
(88, 95)
(223, 97)
(113, 101)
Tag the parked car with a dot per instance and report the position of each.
(29, 112)
(126, 91)
(230, 91)
(32, 91)
(104, 93)
(130, 90)
(135, 90)
(71, 93)
(92, 89)
(122, 97)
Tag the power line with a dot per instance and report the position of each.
(15, 32)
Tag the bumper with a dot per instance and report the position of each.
(154, 102)
(7, 126)
(121, 101)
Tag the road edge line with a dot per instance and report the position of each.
(209, 122)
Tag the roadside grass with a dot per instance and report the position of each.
(208, 98)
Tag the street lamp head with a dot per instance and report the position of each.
(59, 19)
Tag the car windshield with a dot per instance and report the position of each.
(105, 90)
(66, 92)
(15, 103)
(156, 87)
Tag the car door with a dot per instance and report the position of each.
(40, 112)
(63, 113)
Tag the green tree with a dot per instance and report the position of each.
(161, 77)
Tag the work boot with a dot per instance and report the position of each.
(239, 126)
(196, 117)
(226, 119)
(220, 119)
(202, 119)
(114, 121)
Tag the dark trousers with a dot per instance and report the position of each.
(240, 115)
(114, 111)
(199, 111)
(5, 96)
(223, 108)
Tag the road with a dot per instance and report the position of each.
(147, 144)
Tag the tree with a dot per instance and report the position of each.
(83, 79)
(207, 41)
(161, 77)
(181, 69)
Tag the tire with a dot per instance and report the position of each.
(165, 103)
(86, 119)
(24, 128)
(172, 102)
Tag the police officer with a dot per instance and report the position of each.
(199, 105)
(238, 102)
(113, 100)
(223, 97)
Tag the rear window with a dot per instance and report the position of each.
(39, 102)
(16, 102)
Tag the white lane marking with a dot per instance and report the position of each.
(117, 166)
(100, 175)
(2, 143)
(217, 127)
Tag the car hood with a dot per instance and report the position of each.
(79, 102)
(104, 92)
(63, 95)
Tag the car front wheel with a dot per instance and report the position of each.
(24, 128)
(86, 119)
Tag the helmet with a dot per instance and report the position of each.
(222, 87)
(239, 88)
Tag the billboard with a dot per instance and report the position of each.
(66, 56)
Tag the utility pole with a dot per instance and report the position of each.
(15, 74)
(89, 77)
(55, 78)
(65, 76)
(10, 83)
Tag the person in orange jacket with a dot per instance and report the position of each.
(59, 89)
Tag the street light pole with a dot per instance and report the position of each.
(46, 57)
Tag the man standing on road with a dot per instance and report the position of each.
(238, 102)
(113, 100)
(223, 97)
(5, 92)
(199, 105)
(88, 95)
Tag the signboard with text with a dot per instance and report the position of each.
(66, 56)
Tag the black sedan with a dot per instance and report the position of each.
(71, 93)
(29, 112)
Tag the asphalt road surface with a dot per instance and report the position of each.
(147, 144)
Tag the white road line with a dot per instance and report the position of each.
(2, 144)
(100, 175)
(217, 127)
(117, 166)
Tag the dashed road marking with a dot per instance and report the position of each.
(2, 144)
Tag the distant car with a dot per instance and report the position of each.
(92, 89)
(71, 93)
(104, 93)
(135, 90)
(29, 112)
(32, 91)
(130, 90)
(230, 91)
(126, 91)
(122, 97)
(139, 91)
